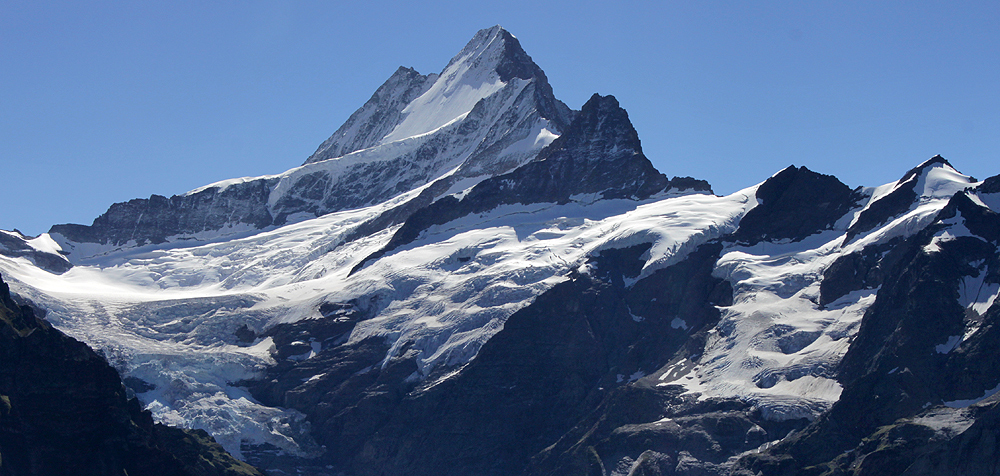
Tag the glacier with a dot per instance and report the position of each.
(180, 293)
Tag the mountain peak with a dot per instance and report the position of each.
(793, 204)
(496, 49)
(502, 52)
(936, 161)
(935, 178)
(487, 35)
(410, 104)
(602, 127)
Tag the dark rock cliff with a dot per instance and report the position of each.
(551, 393)
(919, 367)
(794, 204)
(600, 154)
(64, 410)
(152, 220)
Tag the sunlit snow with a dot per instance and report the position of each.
(775, 346)
(167, 313)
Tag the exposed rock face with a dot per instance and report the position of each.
(376, 119)
(917, 349)
(154, 219)
(860, 270)
(644, 429)
(14, 245)
(64, 410)
(490, 110)
(795, 203)
(564, 358)
(990, 185)
(600, 154)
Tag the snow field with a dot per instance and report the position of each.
(167, 314)
(775, 346)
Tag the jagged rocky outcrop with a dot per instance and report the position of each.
(920, 377)
(490, 110)
(555, 362)
(15, 245)
(864, 269)
(64, 410)
(794, 204)
(599, 154)
(155, 219)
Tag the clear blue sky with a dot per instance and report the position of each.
(106, 101)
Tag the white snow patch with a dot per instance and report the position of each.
(45, 244)
(539, 138)
(457, 90)
(976, 294)
(946, 422)
(941, 182)
(966, 403)
(949, 345)
(315, 377)
(935, 245)
(635, 317)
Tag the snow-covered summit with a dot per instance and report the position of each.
(465, 248)
(933, 180)
(418, 138)
(410, 104)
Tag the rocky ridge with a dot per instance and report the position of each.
(551, 305)
(490, 110)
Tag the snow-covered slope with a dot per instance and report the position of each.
(490, 110)
(165, 286)
(780, 342)
(169, 314)
(433, 255)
